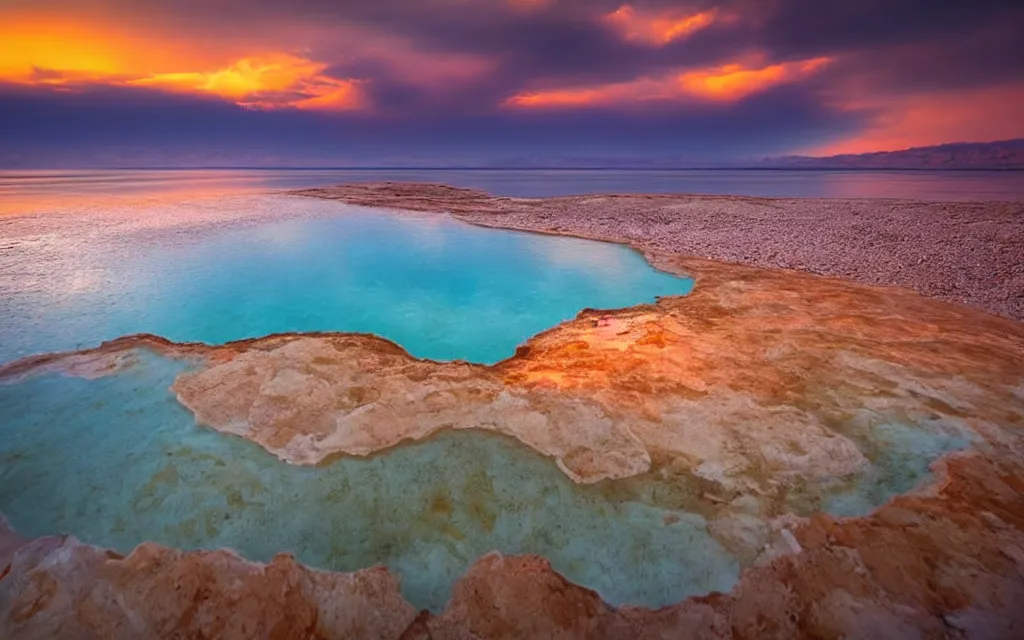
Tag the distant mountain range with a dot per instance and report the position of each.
(1004, 154)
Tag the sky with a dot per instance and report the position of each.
(442, 82)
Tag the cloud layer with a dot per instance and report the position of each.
(484, 80)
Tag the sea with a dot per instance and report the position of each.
(31, 190)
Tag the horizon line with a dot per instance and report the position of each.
(506, 168)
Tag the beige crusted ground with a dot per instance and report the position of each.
(747, 399)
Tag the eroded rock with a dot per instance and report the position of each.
(61, 588)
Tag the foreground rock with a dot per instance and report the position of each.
(307, 398)
(969, 252)
(60, 588)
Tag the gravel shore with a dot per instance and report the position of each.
(966, 252)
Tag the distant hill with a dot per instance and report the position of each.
(1004, 154)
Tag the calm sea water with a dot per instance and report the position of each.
(22, 190)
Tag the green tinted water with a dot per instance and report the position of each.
(117, 461)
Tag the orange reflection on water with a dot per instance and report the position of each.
(39, 191)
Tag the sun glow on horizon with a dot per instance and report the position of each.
(901, 122)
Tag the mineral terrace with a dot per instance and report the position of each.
(748, 401)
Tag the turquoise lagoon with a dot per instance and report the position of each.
(440, 288)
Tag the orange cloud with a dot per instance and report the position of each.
(83, 49)
(40, 53)
(733, 82)
(902, 122)
(657, 29)
(643, 89)
(726, 83)
(270, 81)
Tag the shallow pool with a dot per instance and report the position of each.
(117, 461)
(441, 288)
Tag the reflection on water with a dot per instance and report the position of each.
(440, 288)
(117, 461)
(24, 190)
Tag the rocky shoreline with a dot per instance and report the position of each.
(968, 252)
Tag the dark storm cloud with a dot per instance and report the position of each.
(567, 29)
(966, 58)
(566, 40)
(903, 43)
(906, 44)
(108, 119)
(539, 46)
(800, 27)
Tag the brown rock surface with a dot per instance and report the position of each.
(60, 588)
(306, 398)
(948, 565)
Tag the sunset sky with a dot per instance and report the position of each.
(441, 81)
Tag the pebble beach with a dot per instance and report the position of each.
(966, 252)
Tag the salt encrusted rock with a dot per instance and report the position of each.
(61, 588)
